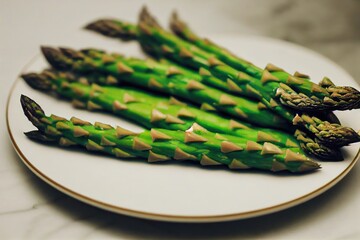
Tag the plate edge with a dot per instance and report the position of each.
(157, 216)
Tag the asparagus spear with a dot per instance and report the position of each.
(160, 145)
(154, 111)
(312, 97)
(191, 90)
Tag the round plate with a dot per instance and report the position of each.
(177, 192)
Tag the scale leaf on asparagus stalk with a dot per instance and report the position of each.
(130, 71)
(160, 145)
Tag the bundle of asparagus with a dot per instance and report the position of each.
(137, 72)
(172, 82)
(151, 111)
(148, 110)
(196, 52)
(159, 145)
(239, 112)
(325, 96)
(223, 70)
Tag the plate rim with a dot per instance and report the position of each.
(160, 216)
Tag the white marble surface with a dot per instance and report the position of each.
(30, 209)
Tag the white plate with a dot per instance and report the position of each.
(177, 192)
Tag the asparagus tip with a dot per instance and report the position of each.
(53, 56)
(32, 110)
(347, 97)
(329, 134)
(343, 97)
(176, 24)
(315, 148)
(104, 26)
(94, 26)
(59, 58)
(340, 136)
(174, 15)
(329, 154)
(339, 98)
(144, 11)
(146, 18)
(48, 51)
(174, 18)
(37, 81)
(113, 28)
(39, 136)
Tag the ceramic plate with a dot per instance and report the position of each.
(177, 192)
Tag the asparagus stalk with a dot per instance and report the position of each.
(94, 60)
(312, 97)
(238, 107)
(154, 111)
(160, 145)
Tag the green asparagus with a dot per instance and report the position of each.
(154, 111)
(146, 109)
(160, 145)
(312, 96)
(317, 97)
(170, 68)
(158, 42)
(151, 33)
(273, 104)
(191, 90)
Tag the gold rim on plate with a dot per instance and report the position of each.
(166, 217)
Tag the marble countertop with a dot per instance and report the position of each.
(31, 209)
